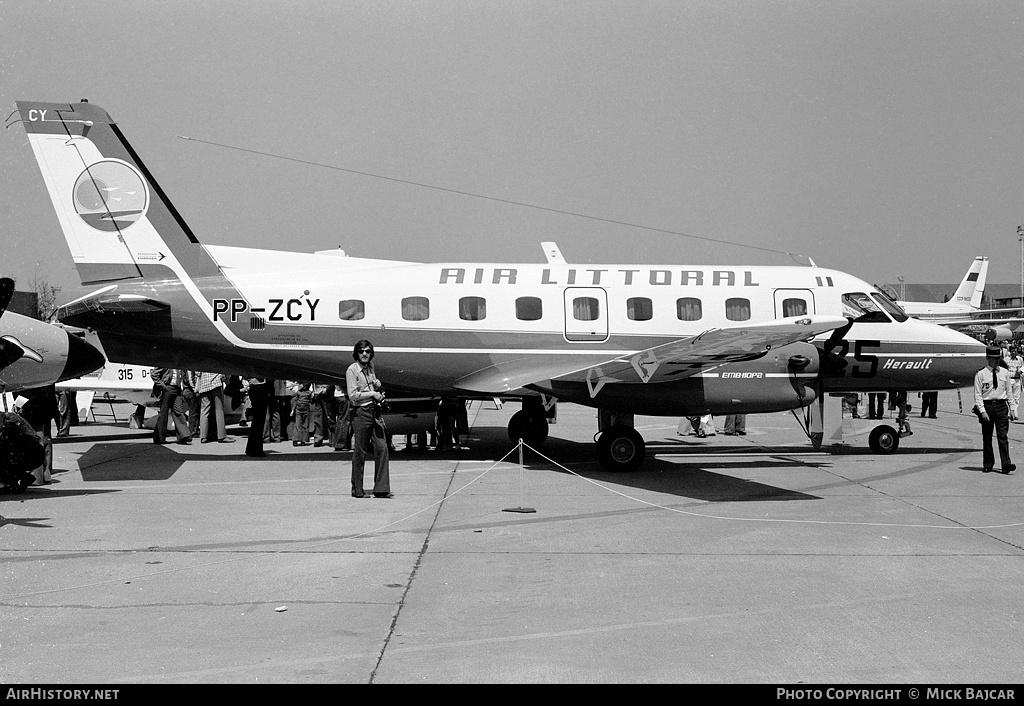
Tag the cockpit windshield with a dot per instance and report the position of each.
(863, 309)
(890, 305)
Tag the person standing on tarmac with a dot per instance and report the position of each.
(167, 382)
(991, 390)
(39, 409)
(1015, 363)
(364, 394)
(260, 392)
(210, 390)
(736, 424)
(929, 401)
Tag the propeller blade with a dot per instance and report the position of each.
(10, 352)
(6, 292)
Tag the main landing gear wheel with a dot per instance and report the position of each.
(884, 439)
(620, 448)
(531, 428)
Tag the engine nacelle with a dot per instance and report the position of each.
(994, 334)
(779, 380)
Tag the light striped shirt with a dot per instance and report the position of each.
(209, 381)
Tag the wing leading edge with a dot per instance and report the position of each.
(679, 358)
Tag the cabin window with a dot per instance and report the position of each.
(689, 309)
(586, 309)
(529, 308)
(639, 309)
(794, 307)
(737, 309)
(862, 309)
(415, 308)
(351, 310)
(472, 308)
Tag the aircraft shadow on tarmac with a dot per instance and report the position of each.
(106, 462)
(732, 447)
(30, 522)
(48, 492)
(127, 436)
(696, 480)
(903, 450)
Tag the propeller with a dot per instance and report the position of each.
(829, 364)
(10, 351)
(6, 292)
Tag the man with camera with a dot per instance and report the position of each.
(366, 399)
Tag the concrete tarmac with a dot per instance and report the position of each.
(730, 559)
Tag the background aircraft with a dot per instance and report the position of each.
(966, 300)
(113, 382)
(36, 354)
(673, 340)
(964, 312)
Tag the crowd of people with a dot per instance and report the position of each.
(195, 405)
(351, 417)
(346, 417)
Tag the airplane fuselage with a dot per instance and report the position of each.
(487, 329)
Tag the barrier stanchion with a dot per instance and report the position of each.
(521, 508)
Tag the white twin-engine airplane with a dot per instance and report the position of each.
(966, 300)
(963, 311)
(669, 340)
(36, 354)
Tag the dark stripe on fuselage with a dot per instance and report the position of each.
(159, 192)
(906, 365)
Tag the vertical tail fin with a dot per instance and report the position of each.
(972, 287)
(116, 219)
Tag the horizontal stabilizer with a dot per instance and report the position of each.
(119, 313)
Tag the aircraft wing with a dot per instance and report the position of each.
(687, 356)
(997, 311)
(679, 358)
(960, 323)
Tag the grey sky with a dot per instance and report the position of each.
(882, 138)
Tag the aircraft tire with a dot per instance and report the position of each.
(884, 439)
(531, 428)
(620, 448)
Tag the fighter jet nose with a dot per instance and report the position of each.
(83, 358)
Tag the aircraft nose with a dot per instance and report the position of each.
(83, 358)
(961, 371)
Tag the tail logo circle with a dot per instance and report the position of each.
(111, 195)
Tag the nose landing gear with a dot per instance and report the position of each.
(884, 439)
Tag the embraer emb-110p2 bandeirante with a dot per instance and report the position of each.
(674, 340)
